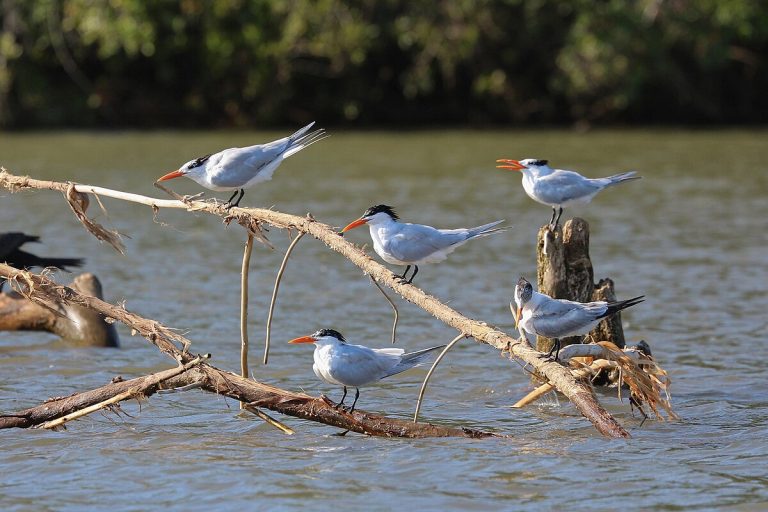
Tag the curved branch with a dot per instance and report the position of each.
(559, 376)
(274, 295)
(432, 370)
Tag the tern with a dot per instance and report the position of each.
(338, 362)
(541, 315)
(559, 188)
(239, 168)
(11, 253)
(402, 243)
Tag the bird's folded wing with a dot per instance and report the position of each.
(357, 365)
(416, 241)
(562, 186)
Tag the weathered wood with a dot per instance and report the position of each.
(609, 329)
(74, 323)
(565, 272)
(41, 289)
(250, 218)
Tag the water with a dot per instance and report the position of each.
(690, 235)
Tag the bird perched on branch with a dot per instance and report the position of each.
(338, 362)
(541, 315)
(402, 243)
(239, 168)
(11, 253)
(559, 188)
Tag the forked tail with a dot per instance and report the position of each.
(619, 178)
(301, 139)
(615, 307)
(413, 359)
(487, 229)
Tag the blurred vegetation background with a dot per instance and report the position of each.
(198, 63)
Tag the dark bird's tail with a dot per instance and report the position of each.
(24, 260)
(615, 307)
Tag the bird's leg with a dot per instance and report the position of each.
(229, 204)
(357, 395)
(242, 193)
(415, 271)
(341, 403)
(552, 220)
(559, 213)
(402, 277)
(555, 349)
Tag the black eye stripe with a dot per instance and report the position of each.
(198, 162)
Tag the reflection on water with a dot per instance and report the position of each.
(690, 236)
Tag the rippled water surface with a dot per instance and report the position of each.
(691, 236)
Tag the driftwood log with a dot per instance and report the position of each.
(579, 393)
(42, 290)
(565, 272)
(75, 324)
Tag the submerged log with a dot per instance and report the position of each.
(74, 323)
(565, 272)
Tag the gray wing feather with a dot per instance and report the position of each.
(417, 241)
(562, 186)
(562, 318)
(358, 365)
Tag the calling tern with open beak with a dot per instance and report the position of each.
(236, 169)
(402, 243)
(338, 362)
(559, 188)
(541, 315)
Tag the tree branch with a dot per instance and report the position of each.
(559, 376)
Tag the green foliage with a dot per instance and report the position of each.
(248, 62)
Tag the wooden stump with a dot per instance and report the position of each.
(76, 324)
(565, 272)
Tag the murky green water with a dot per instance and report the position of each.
(691, 236)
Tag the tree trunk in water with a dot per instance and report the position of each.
(565, 272)
(74, 323)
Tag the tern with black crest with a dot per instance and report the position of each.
(403, 243)
(236, 169)
(559, 188)
(541, 315)
(340, 363)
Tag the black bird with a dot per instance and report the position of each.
(11, 254)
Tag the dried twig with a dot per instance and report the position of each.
(153, 381)
(244, 308)
(274, 294)
(269, 419)
(391, 303)
(431, 370)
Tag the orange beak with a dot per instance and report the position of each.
(512, 165)
(354, 224)
(303, 339)
(171, 175)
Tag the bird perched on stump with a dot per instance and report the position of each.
(559, 188)
(541, 315)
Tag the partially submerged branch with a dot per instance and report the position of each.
(579, 394)
(206, 377)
